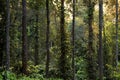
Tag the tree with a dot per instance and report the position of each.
(91, 67)
(63, 61)
(47, 39)
(7, 35)
(62, 31)
(73, 41)
(24, 39)
(100, 51)
(116, 33)
(36, 41)
(109, 40)
(2, 30)
(107, 53)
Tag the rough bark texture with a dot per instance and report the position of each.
(73, 41)
(47, 39)
(7, 36)
(24, 39)
(36, 56)
(91, 52)
(100, 51)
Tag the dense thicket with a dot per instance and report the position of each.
(59, 39)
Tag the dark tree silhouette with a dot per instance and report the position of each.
(47, 39)
(24, 39)
(116, 33)
(91, 52)
(73, 41)
(7, 35)
(36, 56)
(100, 51)
(2, 30)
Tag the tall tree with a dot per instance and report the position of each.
(73, 41)
(91, 52)
(116, 33)
(47, 39)
(2, 30)
(63, 60)
(107, 56)
(24, 39)
(7, 35)
(36, 56)
(100, 51)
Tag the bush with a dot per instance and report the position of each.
(7, 75)
(53, 79)
(81, 69)
(36, 76)
(1, 78)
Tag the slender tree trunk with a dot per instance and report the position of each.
(47, 39)
(116, 33)
(36, 42)
(73, 41)
(1, 46)
(1, 56)
(91, 52)
(100, 52)
(7, 36)
(2, 30)
(24, 39)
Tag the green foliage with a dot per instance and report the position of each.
(10, 75)
(117, 76)
(34, 76)
(53, 79)
(35, 68)
(1, 77)
(16, 67)
(65, 58)
(81, 39)
(81, 65)
(116, 73)
(7, 75)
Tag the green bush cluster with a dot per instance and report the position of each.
(81, 65)
(35, 73)
(7, 75)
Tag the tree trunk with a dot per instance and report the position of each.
(47, 39)
(24, 39)
(36, 56)
(63, 44)
(2, 30)
(7, 36)
(73, 42)
(100, 52)
(116, 33)
(91, 52)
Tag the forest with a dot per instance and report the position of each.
(59, 40)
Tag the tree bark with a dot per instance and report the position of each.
(91, 52)
(7, 36)
(63, 44)
(116, 33)
(36, 56)
(73, 41)
(100, 52)
(24, 39)
(47, 39)
(2, 30)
